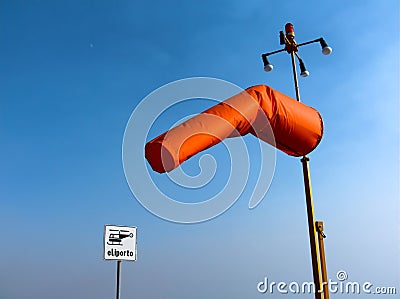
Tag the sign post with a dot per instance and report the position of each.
(119, 245)
(118, 278)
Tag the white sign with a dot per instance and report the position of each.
(119, 243)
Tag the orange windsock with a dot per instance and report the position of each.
(283, 122)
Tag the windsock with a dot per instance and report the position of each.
(275, 118)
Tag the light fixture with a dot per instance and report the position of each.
(267, 66)
(326, 50)
(289, 30)
(286, 38)
(304, 73)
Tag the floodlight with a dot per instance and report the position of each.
(326, 50)
(267, 66)
(304, 73)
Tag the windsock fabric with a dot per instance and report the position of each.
(275, 118)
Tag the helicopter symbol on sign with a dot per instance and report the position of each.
(117, 235)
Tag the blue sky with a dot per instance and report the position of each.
(71, 74)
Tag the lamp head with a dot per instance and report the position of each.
(267, 65)
(304, 73)
(326, 50)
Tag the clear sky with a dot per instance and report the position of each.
(72, 72)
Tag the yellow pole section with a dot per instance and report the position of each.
(315, 257)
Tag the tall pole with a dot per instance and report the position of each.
(319, 273)
(118, 278)
(312, 228)
(315, 229)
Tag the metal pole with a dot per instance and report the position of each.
(321, 236)
(296, 82)
(315, 257)
(312, 229)
(118, 277)
(316, 241)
